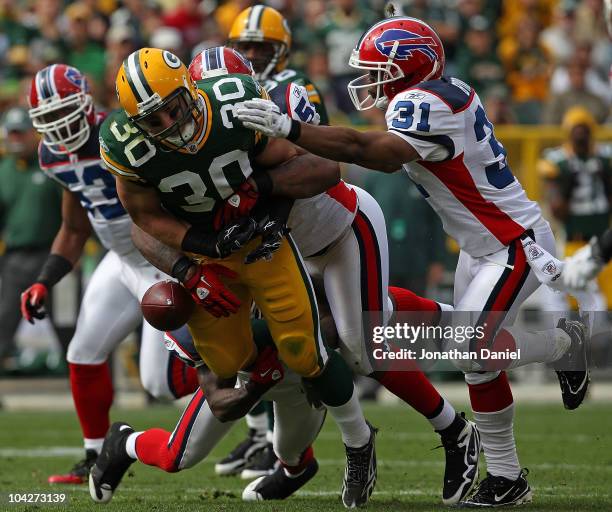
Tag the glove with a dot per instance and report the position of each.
(267, 370)
(581, 267)
(236, 206)
(264, 116)
(234, 237)
(33, 302)
(272, 233)
(209, 291)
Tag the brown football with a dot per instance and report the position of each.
(167, 305)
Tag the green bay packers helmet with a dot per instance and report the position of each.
(160, 98)
(262, 35)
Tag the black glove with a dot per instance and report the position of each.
(222, 244)
(272, 233)
(235, 236)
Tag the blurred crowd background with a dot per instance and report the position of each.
(541, 68)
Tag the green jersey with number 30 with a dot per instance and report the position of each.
(190, 181)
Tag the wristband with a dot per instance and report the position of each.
(295, 131)
(263, 180)
(200, 243)
(53, 270)
(180, 268)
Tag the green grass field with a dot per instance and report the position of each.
(569, 455)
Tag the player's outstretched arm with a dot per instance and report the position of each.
(377, 150)
(74, 230)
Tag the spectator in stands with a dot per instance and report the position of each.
(477, 62)
(30, 206)
(559, 36)
(528, 66)
(515, 11)
(578, 186)
(121, 40)
(594, 82)
(342, 25)
(497, 106)
(187, 18)
(576, 95)
(84, 53)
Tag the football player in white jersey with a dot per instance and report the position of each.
(62, 112)
(439, 133)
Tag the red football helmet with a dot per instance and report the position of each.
(398, 53)
(62, 109)
(219, 60)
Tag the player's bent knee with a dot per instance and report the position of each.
(81, 355)
(298, 352)
(156, 385)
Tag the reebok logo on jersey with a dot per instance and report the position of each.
(408, 42)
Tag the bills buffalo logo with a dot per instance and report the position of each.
(75, 78)
(409, 42)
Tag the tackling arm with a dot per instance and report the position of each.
(226, 402)
(74, 231)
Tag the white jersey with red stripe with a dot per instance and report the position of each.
(83, 174)
(462, 170)
(318, 221)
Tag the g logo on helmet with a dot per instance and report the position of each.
(408, 42)
(172, 60)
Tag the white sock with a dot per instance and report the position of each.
(496, 433)
(258, 422)
(444, 418)
(93, 444)
(130, 445)
(349, 418)
(539, 346)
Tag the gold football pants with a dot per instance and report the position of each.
(282, 290)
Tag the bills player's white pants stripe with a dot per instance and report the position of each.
(110, 311)
(349, 292)
(492, 292)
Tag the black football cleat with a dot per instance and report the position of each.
(462, 456)
(234, 463)
(497, 491)
(261, 463)
(79, 472)
(360, 473)
(278, 485)
(112, 463)
(572, 369)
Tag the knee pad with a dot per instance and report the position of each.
(299, 353)
(480, 378)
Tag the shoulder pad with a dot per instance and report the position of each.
(452, 91)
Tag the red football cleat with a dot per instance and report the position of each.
(79, 473)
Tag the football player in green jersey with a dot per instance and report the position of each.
(178, 153)
(262, 35)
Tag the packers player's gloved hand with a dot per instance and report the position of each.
(222, 244)
(272, 233)
(267, 370)
(33, 302)
(207, 289)
(236, 206)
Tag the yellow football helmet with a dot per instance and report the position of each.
(160, 98)
(262, 35)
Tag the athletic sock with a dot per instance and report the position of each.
(493, 408)
(92, 392)
(535, 347)
(405, 300)
(445, 419)
(334, 388)
(130, 445)
(295, 470)
(93, 444)
(258, 422)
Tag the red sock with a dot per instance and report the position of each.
(92, 392)
(152, 449)
(405, 300)
(413, 387)
(491, 396)
(184, 379)
(154, 446)
(305, 459)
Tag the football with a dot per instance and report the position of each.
(167, 305)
